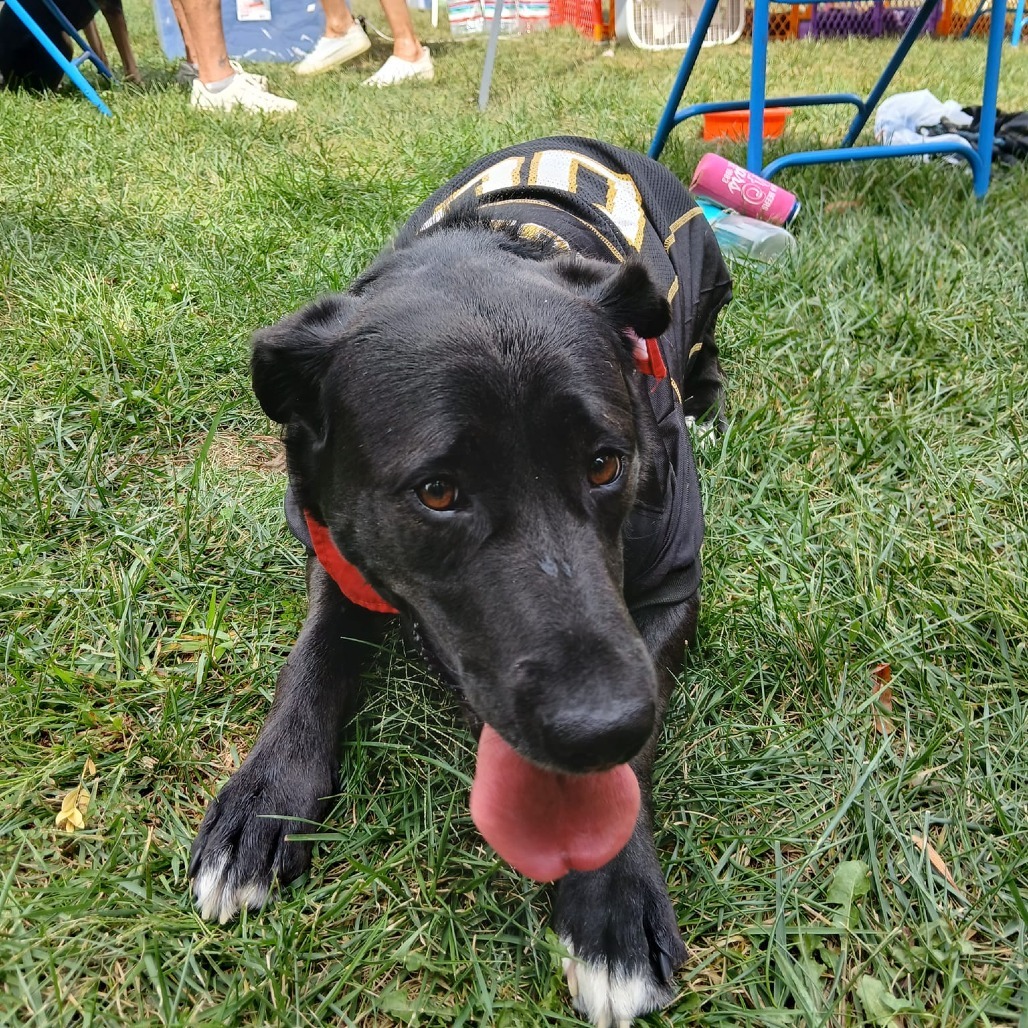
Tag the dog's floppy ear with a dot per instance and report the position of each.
(288, 359)
(624, 291)
(630, 298)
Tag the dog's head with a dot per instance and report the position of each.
(470, 427)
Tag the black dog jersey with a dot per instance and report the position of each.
(608, 203)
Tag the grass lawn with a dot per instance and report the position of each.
(833, 862)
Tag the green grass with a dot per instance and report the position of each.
(867, 505)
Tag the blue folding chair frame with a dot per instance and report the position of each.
(70, 67)
(980, 159)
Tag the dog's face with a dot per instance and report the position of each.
(471, 429)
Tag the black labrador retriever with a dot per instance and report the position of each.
(488, 435)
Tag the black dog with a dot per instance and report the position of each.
(491, 426)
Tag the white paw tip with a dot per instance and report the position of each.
(208, 886)
(608, 999)
(571, 974)
(252, 896)
(215, 900)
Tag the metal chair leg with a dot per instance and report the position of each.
(758, 85)
(668, 119)
(1015, 35)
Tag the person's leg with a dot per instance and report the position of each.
(342, 41)
(220, 83)
(206, 34)
(338, 19)
(406, 44)
(183, 26)
(189, 70)
(410, 59)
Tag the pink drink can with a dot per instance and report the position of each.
(739, 190)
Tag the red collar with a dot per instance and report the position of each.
(350, 581)
(647, 356)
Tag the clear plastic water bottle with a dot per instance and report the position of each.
(740, 236)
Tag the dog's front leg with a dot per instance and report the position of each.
(285, 784)
(618, 922)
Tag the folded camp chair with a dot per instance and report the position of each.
(979, 158)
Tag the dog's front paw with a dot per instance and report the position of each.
(243, 846)
(623, 944)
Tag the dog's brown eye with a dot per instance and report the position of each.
(604, 469)
(438, 494)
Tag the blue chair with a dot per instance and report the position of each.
(70, 67)
(979, 158)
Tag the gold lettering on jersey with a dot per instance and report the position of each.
(559, 169)
(529, 230)
(503, 174)
(614, 194)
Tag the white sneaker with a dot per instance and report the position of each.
(397, 70)
(330, 51)
(243, 92)
(188, 72)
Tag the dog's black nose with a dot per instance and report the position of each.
(583, 736)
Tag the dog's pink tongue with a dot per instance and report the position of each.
(546, 824)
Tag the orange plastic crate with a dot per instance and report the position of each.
(735, 125)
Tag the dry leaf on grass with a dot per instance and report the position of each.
(933, 858)
(924, 775)
(75, 804)
(72, 815)
(882, 676)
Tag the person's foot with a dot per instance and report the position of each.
(241, 91)
(331, 51)
(188, 72)
(397, 70)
